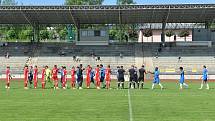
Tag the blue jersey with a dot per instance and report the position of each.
(61, 73)
(182, 77)
(156, 77)
(102, 72)
(92, 74)
(205, 74)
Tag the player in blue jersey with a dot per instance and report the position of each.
(156, 78)
(181, 81)
(204, 78)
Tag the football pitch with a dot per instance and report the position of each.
(170, 104)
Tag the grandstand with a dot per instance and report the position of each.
(192, 58)
(161, 54)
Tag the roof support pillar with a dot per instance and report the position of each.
(163, 32)
(36, 32)
(207, 25)
(78, 26)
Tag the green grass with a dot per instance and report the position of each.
(170, 104)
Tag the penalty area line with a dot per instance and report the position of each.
(130, 106)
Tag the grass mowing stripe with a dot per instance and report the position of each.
(130, 106)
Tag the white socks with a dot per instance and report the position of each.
(153, 85)
(206, 85)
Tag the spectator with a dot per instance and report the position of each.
(98, 58)
(74, 58)
(179, 59)
(120, 55)
(7, 55)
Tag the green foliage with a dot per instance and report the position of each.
(63, 33)
(184, 33)
(147, 32)
(84, 2)
(8, 2)
(125, 2)
(11, 34)
(170, 33)
(44, 34)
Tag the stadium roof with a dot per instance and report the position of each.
(108, 14)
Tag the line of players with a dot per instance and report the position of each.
(101, 75)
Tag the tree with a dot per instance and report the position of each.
(84, 2)
(170, 33)
(184, 33)
(8, 2)
(44, 34)
(147, 33)
(11, 35)
(125, 2)
(63, 33)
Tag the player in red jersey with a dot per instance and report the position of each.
(88, 70)
(43, 78)
(8, 78)
(26, 77)
(97, 77)
(107, 76)
(35, 76)
(73, 78)
(54, 76)
(64, 77)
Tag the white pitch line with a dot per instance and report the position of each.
(130, 106)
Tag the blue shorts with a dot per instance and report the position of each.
(205, 79)
(181, 81)
(156, 81)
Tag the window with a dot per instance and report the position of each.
(103, 33)
(83, 33)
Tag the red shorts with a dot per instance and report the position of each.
(88, 78)
(55, 78)
(73, 79)
(107, 79)
(97, 79)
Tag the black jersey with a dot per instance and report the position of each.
(121, 73)
(142, 72)
(131, 72)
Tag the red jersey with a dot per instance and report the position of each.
(8, 74)
(65, 72)
(43, 73)
(73, 75)
(54, 71)
(26, 73)
(107, 74)
(35, 73)
(73, 72)
(88, 70)
(97, 72)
